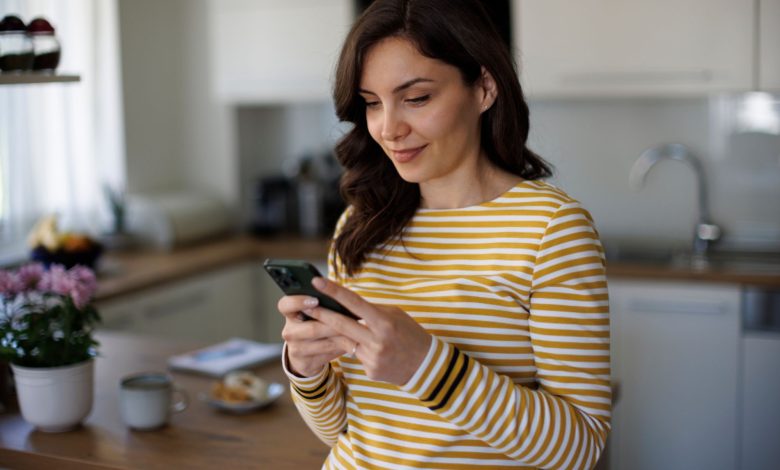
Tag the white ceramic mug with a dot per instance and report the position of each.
(146, 400)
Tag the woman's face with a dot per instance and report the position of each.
(421, 113)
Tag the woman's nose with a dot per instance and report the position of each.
(394, 126)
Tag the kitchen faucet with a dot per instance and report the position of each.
(706, 232)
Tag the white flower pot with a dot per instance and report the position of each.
(55, 399)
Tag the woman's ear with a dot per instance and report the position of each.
(487, 89)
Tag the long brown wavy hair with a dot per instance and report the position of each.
(459, 33)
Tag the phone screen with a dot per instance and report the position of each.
(294, 278)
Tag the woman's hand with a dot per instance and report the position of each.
(387, 341)
(311, 345)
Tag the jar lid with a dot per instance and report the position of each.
(40, 26)
(12, 23)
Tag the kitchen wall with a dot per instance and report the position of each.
(593, 144)
(180, 135)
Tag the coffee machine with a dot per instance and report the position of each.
(307, 204)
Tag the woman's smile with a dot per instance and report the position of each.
(402, 156)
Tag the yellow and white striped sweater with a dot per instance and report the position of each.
(515, 295)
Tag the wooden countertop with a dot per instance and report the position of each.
(198, 438)
(134, 271)
(746, 277)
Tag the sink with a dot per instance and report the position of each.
(753, 261)
(635, 254)
(764, 262)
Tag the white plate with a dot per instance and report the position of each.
(275, 390)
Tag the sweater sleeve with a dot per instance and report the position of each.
(321, 399)
(563, 423)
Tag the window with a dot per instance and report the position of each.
(61, 142)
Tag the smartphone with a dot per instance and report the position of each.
(294, 278)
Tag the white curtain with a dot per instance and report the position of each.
(60, 143)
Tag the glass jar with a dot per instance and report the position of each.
(16, 47)
(45, 45)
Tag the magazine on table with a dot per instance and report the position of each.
(221, 358)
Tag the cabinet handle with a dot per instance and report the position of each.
(676, 306)
(638, 77)
(175, 305)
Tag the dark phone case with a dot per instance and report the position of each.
(301, 274)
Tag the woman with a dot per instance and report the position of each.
(484, 332)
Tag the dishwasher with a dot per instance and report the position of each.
(760, 390)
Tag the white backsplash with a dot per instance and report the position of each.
(593, 144)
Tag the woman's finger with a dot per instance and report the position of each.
(352, 301)
(291, 305)
(330, 348)
(342, 325)
(296, 330)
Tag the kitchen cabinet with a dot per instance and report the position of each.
(769, 38)
(266, 51)
(675, 356)
(210, 307)
(760, 400)
(760, 388)
(638, 47)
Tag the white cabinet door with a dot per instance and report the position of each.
(675, 356)
(209, 307)
(769, 40)
(633, 47)
(267, 51)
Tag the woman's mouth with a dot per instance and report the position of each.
(406, 155)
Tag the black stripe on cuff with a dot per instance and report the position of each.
(315, 392)
(455, 354)
(464, 366)
(310, 397)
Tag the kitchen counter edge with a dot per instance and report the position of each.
(137, 270)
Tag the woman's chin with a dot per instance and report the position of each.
(411, 177)
(410, 173)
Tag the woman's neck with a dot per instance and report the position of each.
(469, 187)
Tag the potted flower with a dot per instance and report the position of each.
(46, 334)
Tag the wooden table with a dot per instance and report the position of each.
(198, 438)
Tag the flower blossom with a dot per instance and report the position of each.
(84, 285)
(57, 281)
(78, 283)
(30, 275)
(10, 284)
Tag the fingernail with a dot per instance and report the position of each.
(318, 282)
(311, 302)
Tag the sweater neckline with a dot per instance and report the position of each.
(428, 211)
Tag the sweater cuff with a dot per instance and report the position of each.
(440, 375)
(309, 388)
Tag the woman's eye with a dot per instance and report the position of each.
(372, 104)
(419, 99)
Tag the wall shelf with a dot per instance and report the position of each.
(28, 78)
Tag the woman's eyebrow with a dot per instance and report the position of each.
(402, 86)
